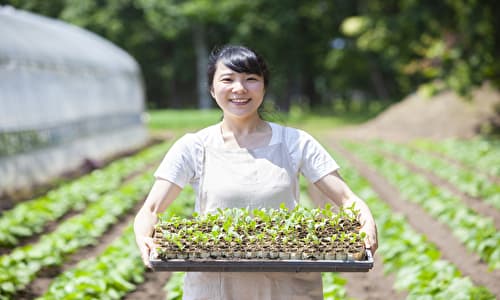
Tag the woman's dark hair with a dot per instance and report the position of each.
(239, 59)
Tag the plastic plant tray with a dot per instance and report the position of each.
(262, 265)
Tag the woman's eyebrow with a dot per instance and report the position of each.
(226, 74)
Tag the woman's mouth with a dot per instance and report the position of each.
(239, 100)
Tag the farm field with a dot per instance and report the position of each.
(437, 206)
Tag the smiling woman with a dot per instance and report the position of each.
(245, 162)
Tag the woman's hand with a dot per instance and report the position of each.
(161, 195)
(370, 229)
(146, 246)
(334, 187)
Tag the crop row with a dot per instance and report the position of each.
(466, 180)
(30, 217)
(407, 254)
(109, 276)
(477, 233)
(21, 265)
(479, 154)
(116, 271)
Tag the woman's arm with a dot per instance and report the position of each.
(335, 188)
(159, 198)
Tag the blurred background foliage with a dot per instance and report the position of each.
(321, 52)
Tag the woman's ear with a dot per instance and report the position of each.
(212, 92)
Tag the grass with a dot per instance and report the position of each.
(316, 121)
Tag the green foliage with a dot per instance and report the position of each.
(182, 120)
(30, 217)
(22, 264)
(174, 287)
(115, 272)
(476, 232)
(441, 40)
(428, 276)
(479, 154)
(468, 181)
(339, 49)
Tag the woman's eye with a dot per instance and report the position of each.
(226, 80)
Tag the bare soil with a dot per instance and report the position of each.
(445, 115)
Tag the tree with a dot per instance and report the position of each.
(171, 18)
(430, 44)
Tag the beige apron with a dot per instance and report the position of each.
(250, 179)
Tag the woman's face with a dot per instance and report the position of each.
(237, 94)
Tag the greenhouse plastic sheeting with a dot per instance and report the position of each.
(66, 95)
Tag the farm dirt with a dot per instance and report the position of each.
(445, 115)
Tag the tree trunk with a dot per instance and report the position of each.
(311, 93)
(378, 80)
(200, 46)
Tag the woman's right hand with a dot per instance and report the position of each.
(146, 246)
(161, 195)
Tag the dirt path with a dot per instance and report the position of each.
(151, 288)
(374, 285)
(452, 250)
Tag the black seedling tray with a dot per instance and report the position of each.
(262, 265)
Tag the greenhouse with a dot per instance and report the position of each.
(67, 96)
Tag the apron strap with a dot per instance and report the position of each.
(201, 172)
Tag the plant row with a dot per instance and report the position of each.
(109, 276)
(466, 180)
(416, 263)
(116, 271)
(28, 218)
(477, 233)
(479, 154)
(21, 265)
(299, 233)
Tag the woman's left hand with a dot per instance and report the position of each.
(371, 239)
(334, 187)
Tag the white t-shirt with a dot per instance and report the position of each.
(183, 162)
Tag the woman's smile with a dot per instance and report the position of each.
(240, 101)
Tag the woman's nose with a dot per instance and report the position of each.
(238, 86)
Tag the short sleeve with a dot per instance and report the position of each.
(179, 164)
(312, 159)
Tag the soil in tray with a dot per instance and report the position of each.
(234, 234)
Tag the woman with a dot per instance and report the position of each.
(245, 162)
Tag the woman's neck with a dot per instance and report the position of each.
(245, 134)
(243, 127)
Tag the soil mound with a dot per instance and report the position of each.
(446, 115)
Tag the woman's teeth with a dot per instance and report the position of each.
(239, 100)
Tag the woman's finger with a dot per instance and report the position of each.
(146, 247)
